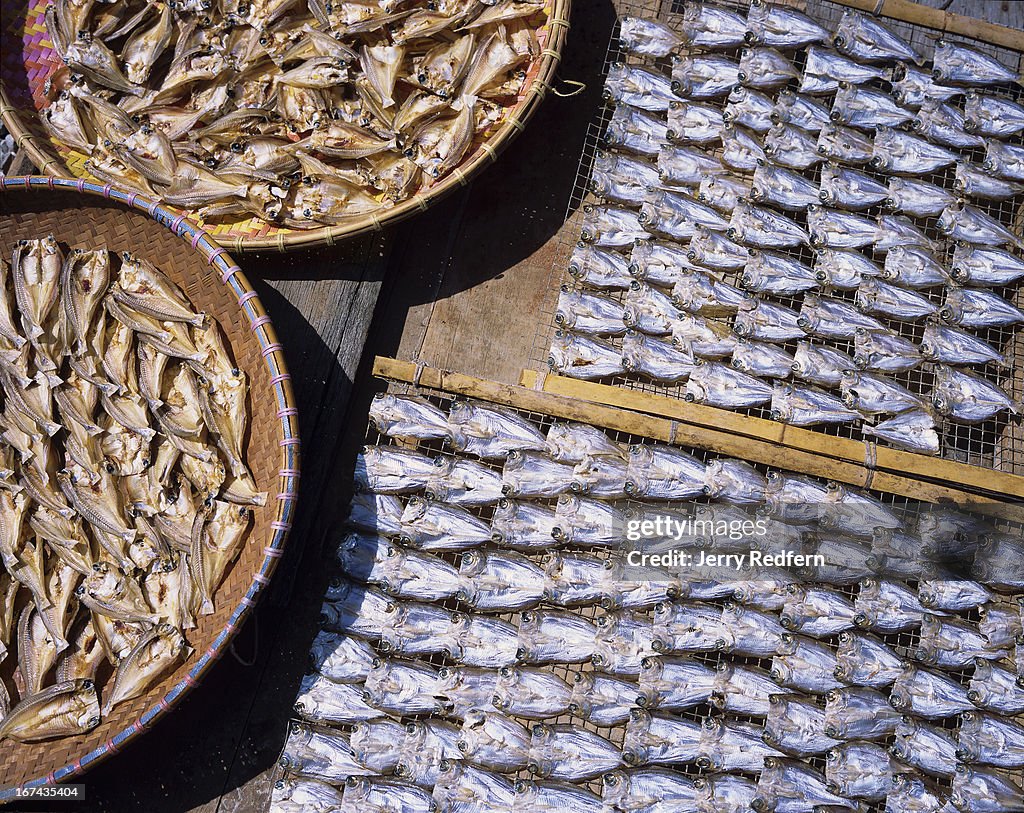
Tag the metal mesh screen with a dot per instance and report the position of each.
(997, 443)
(903, 643)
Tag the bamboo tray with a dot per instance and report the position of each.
(78, 213)
(29, 59)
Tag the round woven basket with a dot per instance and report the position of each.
(81, 214)
(29, 59)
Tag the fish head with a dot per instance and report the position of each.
(947, 219)
(558, 356)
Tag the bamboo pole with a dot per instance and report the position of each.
(893, 460)
(671, 431)
(945, 21)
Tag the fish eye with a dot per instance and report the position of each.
(236, 146)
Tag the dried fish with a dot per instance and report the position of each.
(958, 64)
(704, 76)
(968, 397)
(864, 38)
(901, 153)
(646, 38)
(781, 27)
(992, 115)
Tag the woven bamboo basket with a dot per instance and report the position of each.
(29, 59)
(125, 221)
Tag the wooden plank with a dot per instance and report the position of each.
(894, 460)
(671, 431)
(493, 253)
(336, 314)
(945, 21)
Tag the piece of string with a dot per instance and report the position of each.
(870, 461)
(255, 645)
(578, 88)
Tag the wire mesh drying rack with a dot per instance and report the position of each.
(994, 444)
(902, 643)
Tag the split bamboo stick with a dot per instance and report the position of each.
(939, 20)
(893, 460)
(675, 432)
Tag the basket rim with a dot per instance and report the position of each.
(288, 474)
(486, 153)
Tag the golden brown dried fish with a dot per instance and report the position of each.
(61, 581)
(36, 274)
(117, 357)
(7, 329)
(82, 448)
(34, 401)
(155, 655)
(62, 710)
(76, 401)
(143, 497)
(97, 502)
(38, 478)
(8, 593)
(381, 65)
(195, 186)
(130, 412)
(147, 547)
(111, 169)
(351, 80)
(65, 537)
(175, 523)
(222, 400)
(63, 120)
(439, 145)
(164, 463)
(145, 46)
(442, 68)
(141, 286)
(182, 413)
(207, 476)
(125, 451)
(216, 537)
(241, 489)
(37, 651)
(317, 72)
(117, 637)
(149, 152)
(84, 279)
(168, 589)
(84, 655)
(106, 540)
(110, 591)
